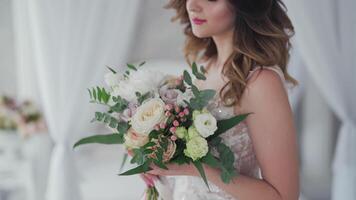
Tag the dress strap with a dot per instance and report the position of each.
(274, 68)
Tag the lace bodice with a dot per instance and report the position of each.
(238, 139)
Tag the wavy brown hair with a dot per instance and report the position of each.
(262, 35)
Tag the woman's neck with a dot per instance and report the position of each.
(224, 45)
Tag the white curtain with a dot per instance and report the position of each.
(66, 45)
(326, 32)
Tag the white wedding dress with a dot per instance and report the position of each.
(238, 139)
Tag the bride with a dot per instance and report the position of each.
(244, 46)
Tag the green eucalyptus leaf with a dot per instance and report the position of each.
(207, 95)
(196, 73)
(187, 78)
(195, 91)
(123, 127)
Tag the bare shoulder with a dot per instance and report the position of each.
(264, 87)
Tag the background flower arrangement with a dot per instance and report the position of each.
(23, 117)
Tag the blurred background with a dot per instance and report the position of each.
(51, 51)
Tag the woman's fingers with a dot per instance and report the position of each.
(151, 176)
(148, 180)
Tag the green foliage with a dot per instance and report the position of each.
(201, 171)
(122, 127)
(202, 69)
(159, 164)
(115, 138)
(225, 162)
(141, 98)
(113, 71)
(154, 134)
(106, 118)
(138, 156)
(187, 78)
(201, 98)
(226, 124)
(141, 64)
(124, 159)
(145, 167)
(196, 73)
(181, 159)
(99, 95)
(120, 104)
(131, 66)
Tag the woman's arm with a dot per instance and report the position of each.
(273, 134)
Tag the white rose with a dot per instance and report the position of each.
(149, 114)
(112, 79)
(206, 124)
(187, 95)
(135, 140)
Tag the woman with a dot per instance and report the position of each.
(244, 45)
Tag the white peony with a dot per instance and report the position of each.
(206, 124)
(149, 114)
(142, 81)
(126, 90)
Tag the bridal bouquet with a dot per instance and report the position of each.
(162, 119)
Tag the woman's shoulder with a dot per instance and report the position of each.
(264, 85)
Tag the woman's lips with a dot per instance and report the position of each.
(198, 21)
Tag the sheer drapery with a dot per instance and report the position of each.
(326, 32)
(66, 45)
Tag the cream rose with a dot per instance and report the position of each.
(135, 140)
(149, 114)
(206, 124)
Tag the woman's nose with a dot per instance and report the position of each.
(193, 6)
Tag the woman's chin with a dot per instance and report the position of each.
(200, 34)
